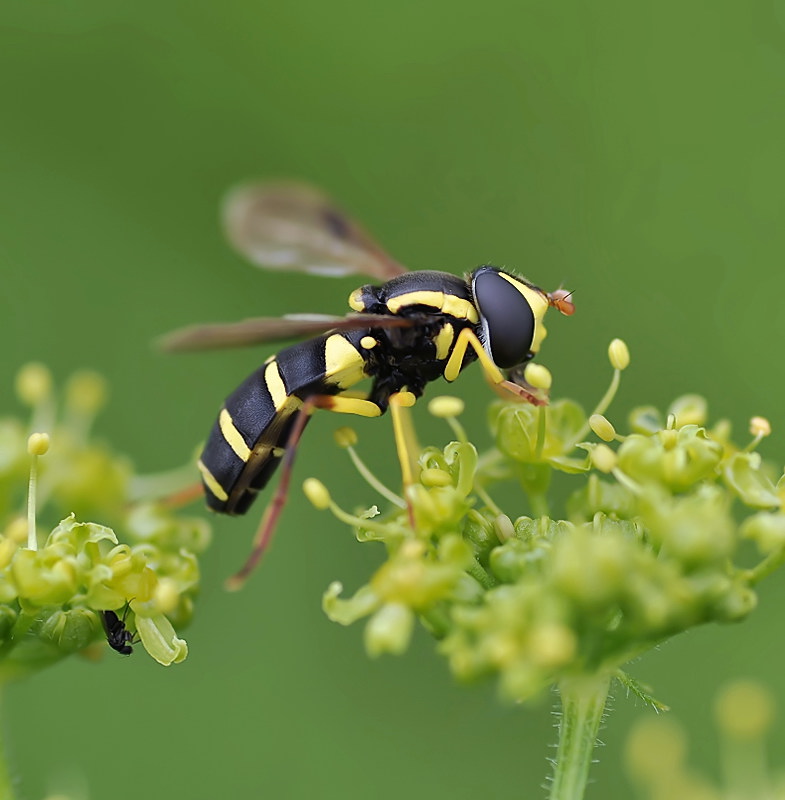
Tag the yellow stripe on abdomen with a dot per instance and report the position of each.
(344, 365)
(275, 385)
(233, 437)
(211, 483)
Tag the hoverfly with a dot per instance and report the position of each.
(405, 331)
(118, 636)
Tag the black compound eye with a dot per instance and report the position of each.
(506, 317)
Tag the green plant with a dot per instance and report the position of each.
(59, 573)
(647, 545)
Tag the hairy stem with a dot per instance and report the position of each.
(582, 704)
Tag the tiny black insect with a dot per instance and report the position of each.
(117, 635)
(409, 330)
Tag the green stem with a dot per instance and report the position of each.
(770, 564)
(6, 782)
(582, 704)
(373, 481)
(601, 408)
(485, 579)
(540, 506)
(541, 428)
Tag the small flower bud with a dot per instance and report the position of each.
(33, 383)
(760, 426)
(737, 603)
(38, 444)
(618, 354)
(767, 530)
(345, 437)
(689, 409)
(86, 392)
(603, 458)
(389, 630)
(744, 710)
(602, 427)
(446, 407)
(317, 493)
(70, 630)
(538, 376)
(166, 596)
(435, 477)
(413, 548)
(552, 645)
(505, 530)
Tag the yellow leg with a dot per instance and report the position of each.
(349, 405)
(465, 338)
(468, 337)
(405, 437)
(406, 444)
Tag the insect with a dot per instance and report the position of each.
(405, 331)
(117, 635)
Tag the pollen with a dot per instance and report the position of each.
(446, 407)
(38, 444)
(760, 426)
(538, 376)
(602, 427)
(317, 493)
(619, 354)
(166, 596)
(603, 458)
(345, 437)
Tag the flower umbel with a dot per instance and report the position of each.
(58, 573)
(646, 546)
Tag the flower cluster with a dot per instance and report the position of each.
(647, 544)
(59, 574)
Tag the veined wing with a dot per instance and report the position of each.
(270, 329)
(295, 226)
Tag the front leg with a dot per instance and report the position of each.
(468, 338)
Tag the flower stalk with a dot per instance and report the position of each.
(583, 701)
(647, 545)
(57, 588)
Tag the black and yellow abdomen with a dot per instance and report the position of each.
(247, 440)
(447, 322)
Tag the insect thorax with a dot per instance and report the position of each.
(439, 305)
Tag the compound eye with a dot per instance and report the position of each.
(506, 316)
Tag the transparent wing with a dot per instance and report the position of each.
(270, 329)
(289, 225)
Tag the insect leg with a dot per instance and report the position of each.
(184, 497)
(405, 437)
(405, 443)
(466, 338)
(337, 403)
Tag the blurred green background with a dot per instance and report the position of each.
(632, 151)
